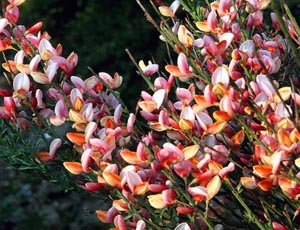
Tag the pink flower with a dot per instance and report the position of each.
(89, 130)
(275, 21)
(169, 155)
(182, 69)
(219, 153)
(224, 171)
(134, 182)
(76, 99)
(21, 85)
(150, 69)
(185, 97)
(224, 6)
(220, 76)
(265, 85)
(12, 12)
(212, 20)
(55, 144)
(3, 24)
(247, 47)
(10, 105)
(130, 123)
(183, 168)
(169, 11)
(61, 113)
(151, 103)
(258, 4)
(114, 82)
(117, 114)
(46, 50)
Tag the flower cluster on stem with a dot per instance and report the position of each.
(213, 143)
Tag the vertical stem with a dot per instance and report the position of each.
(291, 17)
(250, 133)
(133, 209)
(184, 194)
(148, 16)
(245, 206)
(146, 79)
(275, 8)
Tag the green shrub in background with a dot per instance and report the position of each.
(106, 27)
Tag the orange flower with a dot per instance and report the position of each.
(134, 182)
(76, 138)
(289, 187)
(130, 156)
(263, 171)
(182, 69)
(120, 205)
(265, 185)
(73, 167)
(110, 175)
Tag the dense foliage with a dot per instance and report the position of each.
(212, 143)
(105, 27)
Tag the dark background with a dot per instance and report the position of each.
(99, 31)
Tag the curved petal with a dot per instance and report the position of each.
(73, 167)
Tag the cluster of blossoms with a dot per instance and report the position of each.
(213, 143)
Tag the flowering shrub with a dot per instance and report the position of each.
(214, 140)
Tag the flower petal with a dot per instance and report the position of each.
(213, 187)
(76, 138)
(73, 167)
(190, 151)
(156, 201)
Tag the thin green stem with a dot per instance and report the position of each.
(251, 134)
(261, 116)
(295, 104)
(9, 81)
(184, 194)
(186, 7)
(146, 79)
(250, 214)
(134, 210)
(275, 8)
(291, 17)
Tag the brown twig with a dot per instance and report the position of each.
(148, 16)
